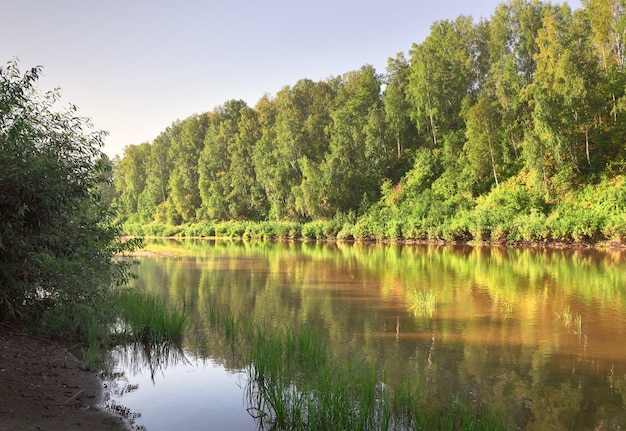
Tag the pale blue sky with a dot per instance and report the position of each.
(135, 66)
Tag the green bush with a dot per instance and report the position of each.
(572, 221)
(530, 227)
(323, 229)
(272, 230)
(363, 229)
(57, 235)
(312, 230)
(201, 229)
(135, 229)
(231, 229)
(155, 229)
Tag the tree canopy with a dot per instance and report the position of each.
(531, 100)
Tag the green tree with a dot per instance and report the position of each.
(445, 78)
(57, 238)
(215, 161)
(400, 128)
(442, 74)
(607, 25)
(153, 200)
(246, 199)
(266, 159)
(130, 178)
(483, 147)
(107, 187)
(512, 47)
(183, 182)
(301, 116)
(353, 168)
(564, 94)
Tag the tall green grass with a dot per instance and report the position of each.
(294, 382)
(146, 318)
(85, 329)
(124, 316)
(422, 303)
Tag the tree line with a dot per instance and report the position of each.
(510, 127)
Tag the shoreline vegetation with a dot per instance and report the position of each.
(325, 231)
(61, 277)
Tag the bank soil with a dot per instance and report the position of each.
(43, 387)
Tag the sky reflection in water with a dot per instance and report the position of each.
(191, 394)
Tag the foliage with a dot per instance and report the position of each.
(491, 130)
(339, 227)
(57, 235)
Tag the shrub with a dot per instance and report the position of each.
(231, 229)
(135, 229)
(313, 230)
(530, 227)
(323, 229)
(363, 229)
(201, 229)
(57, 235)
(155, 229)
(615, 227)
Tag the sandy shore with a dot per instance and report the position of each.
(44, 387)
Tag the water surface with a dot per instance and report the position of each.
(540, 335)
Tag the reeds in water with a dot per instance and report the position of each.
(570, 320)
(422, 303)
(146, 318)
(294, 382)
(566, 316)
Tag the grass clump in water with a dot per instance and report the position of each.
(570, 320)
(122, 316)
(145, 318)
(422, 303)
(294, 382)
(565, 316)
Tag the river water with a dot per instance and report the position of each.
(538, 334)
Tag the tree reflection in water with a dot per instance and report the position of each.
(536, 334)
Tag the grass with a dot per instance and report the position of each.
(294, 382)
(507, 309)
(124, 316)
(578, 324)
(566, 316)
(575, 322)
(422, 303)
(146, 318)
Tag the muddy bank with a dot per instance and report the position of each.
(44, 387)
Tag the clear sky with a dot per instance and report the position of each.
(136, 66)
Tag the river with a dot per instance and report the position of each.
(538, 334)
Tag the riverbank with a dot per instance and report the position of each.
(44, 387)
(550, 235)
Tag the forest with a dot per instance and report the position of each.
(507, 129)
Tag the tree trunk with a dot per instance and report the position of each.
(587, 145)
(493, 163)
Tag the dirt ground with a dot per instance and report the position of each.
(45, 388)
